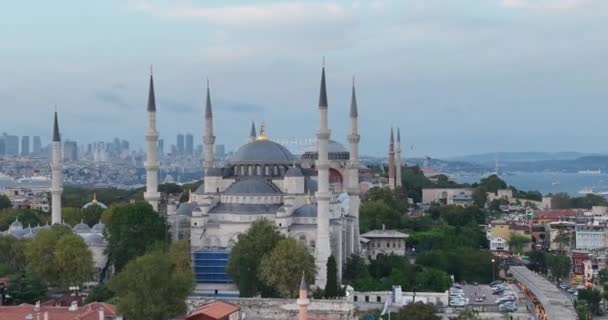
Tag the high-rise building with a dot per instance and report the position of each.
(189, 144)
(180, 143)
(124, 145)
(220, 151)
(37, 144)
(2, 146)
(70, 150)
(161, 147)
(25, 145)
(11, 144)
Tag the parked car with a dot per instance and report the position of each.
(571, 290)
(495, 283)
(480, 299)
(457, 303)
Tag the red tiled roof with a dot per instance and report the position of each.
(87, 312)
(548, 214)
(215, 310)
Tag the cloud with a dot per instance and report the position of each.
(248, 15)
(177, 106)
(240, 107)
(544, 5)
(111, 97)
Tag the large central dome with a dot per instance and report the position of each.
(262, 152)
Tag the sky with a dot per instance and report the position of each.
(457, 77)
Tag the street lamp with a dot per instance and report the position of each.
(493, 269)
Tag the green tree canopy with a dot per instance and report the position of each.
(593, 298)
(518, 242)
(492, 183)
(558, 265)
(376, 213)
(132, 229)
(26, 288)
(259, 240)
(5, 202)
(282, 268)
(12, 253)
(100, 293)
(332, 287)
(59, 257)
(417, 311)
(91, 215)
(154, 286)
(74, 261)
(71, 215)
(27, 217)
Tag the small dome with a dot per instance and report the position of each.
(99, 227)
(16, 224)
(94, 202)
(262, 151)
(252, 186)
(81, 228)
(294, 172)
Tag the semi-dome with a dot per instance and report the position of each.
(16, 225)
(251, 186)
(294, 172)
(307, 210)
(99, 227)
(81, 228)
(263, 152)
(335, 150)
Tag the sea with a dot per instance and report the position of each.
(575, 184)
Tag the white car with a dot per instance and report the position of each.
(457, 303)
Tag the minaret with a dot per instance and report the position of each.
(252, 134)
(303, 300)
(323, 195)
(208, 138)
(398, 159)
(353, 169)
(151, 195)
(56, 175)
(391, 162)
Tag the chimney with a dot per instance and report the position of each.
(46, 315)
(37, 306)
(102, 315)
(382, 227)
(73, 306)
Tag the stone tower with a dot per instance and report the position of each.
(322, 249)
(152, 196)
(391, 162)
(398, 159)
(208, 137)
(56, 175)
(353, 169)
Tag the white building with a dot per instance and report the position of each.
(591, 236)
(499, 244)
(385, 242)
(449, 196)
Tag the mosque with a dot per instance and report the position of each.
(313, 198)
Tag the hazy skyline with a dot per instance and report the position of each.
(457, 77)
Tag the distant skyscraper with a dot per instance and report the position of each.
(124, 145)
(220, 151)
(25, 145)
(189, 144)
(70, 150)
(180, 143)
(11, 145)
(37, 145)
(2, 146)
(161, 147)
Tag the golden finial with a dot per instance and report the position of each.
(262, 136)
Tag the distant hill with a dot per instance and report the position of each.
(505, 157)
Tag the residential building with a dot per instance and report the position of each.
(11, 144)
(25, 146)
(591, 237)
(216, 310)
(180, 144)
(189, 144)
(385, 242)
(561, 235)
(499, 244)
(449, 196)
(37, 145)
(91, 311)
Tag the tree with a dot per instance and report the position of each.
(561, 201)
(154, 286)
(101, 293)
(282, 268)
(259, 240)
(26, 288)
(332, 288)
(12, 253)
(518, 242)
(91, 215)
(376, 213)
(5, 202)
(468, 314)
(27, 217)
(132, 229)
(74, 261)
(40, 253)
(71, 215)
(480, 196)
(492, 183)
(558, 265)
(593, 298)
(417, 311)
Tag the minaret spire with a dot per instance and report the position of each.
(353, 172)
(398, 182)
(252, 133)
(391, 162)
(208, 137)
(56, 174)
(151, 195)
(303, 300)
(322, 249)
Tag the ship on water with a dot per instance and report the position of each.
(588, 171)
